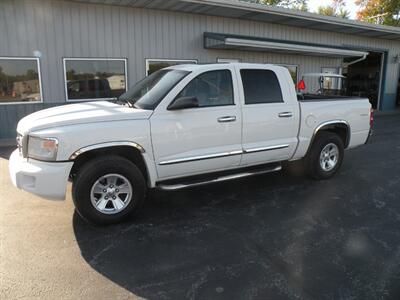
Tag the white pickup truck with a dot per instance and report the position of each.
(182, 126)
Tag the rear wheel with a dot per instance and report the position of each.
(325, 156)
(107, 190)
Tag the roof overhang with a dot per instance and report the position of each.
(233, 42)
(263, 13)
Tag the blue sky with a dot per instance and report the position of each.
(350, 6)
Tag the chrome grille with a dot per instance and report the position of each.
(21, 144)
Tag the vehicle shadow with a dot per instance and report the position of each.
(205, 241)
(272, 236)
(275, 236)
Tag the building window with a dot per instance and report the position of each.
(228, 60)
(94, 78)
(20, 80)
(293, 71)
(153, 65)
(260, 86)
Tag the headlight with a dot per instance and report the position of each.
(42, 148)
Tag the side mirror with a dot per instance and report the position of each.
(184, 102)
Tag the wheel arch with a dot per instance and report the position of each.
(339, 127)
(129, 150)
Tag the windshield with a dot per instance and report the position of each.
(148, 93)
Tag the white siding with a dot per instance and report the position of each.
(69, 29)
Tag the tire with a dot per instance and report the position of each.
(330, 143)
(109, 205)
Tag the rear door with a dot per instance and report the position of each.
(202, 139)
(270, 115)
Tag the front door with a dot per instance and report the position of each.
(200, 139)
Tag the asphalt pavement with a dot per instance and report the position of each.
(275, 236)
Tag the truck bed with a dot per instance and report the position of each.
(318, 109)
(317, 97)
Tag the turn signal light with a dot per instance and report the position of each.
(371, 117)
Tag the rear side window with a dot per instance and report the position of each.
(260, 86)
(213, 88)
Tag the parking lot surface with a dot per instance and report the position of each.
(268, 237)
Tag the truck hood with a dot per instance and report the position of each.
(72, 114)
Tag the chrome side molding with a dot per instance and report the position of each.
(178, 186)
(199, 157)
(223, 154)
(268, 148)
(105, 145)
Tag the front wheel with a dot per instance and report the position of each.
(107, 190)
(325, 156)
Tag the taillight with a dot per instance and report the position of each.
(301, 86)
(371, 117)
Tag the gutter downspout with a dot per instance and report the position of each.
(345, 65)
(356, 61)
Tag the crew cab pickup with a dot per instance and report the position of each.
(182, 126)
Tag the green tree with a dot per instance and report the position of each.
(31, 74)
(2, 75)
(386, 12)
(326, 11)
(294, 4)
(343, 13)
(336, 9)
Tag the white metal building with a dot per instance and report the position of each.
(55, 52)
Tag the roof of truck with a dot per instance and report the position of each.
(193, 67)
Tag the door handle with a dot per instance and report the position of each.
(285, 114)
(227, 119)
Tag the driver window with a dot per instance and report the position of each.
(212, 88)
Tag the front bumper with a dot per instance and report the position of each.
(46, 179)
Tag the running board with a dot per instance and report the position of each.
(178, 186)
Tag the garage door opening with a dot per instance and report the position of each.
(364, 78)
(398, 95)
